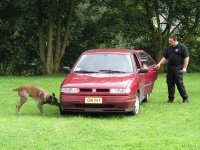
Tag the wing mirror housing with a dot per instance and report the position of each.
(67, 69)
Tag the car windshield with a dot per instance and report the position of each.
(106, 63)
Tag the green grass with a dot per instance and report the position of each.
(158, 126)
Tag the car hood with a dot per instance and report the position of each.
(98, 80)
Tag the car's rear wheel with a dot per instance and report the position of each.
(137, 106)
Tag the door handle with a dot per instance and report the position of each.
(154, 69)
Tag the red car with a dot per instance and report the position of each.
(108, 80)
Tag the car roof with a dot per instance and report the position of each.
(111, 50)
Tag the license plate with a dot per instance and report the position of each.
(92, 100)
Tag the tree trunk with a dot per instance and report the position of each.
(49, 59)
(160, 50)
(158, 34)
(41, 38)
(58, 47)
(60, 50)
(42, 49)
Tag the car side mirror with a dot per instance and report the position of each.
(143, 70)
(67, 68)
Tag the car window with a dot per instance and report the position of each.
(143, 56)
(105, 62)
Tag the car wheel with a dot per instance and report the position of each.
(137, 106)
(146, 98)
(62, 112)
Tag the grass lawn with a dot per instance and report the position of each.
(158, 126)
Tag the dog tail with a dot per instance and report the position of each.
(16, 89)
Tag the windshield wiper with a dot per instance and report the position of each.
(85, 71)
(111, 71)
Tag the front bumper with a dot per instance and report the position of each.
(70, 103)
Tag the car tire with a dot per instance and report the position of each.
(137, 106)
(146, 98)
(62, 112)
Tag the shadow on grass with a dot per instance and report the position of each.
(57, 115)
(99, 115)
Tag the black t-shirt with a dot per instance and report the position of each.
(176, 55)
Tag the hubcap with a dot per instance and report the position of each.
(137, 105)
(147, 96)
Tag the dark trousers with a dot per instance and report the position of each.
(175, 77)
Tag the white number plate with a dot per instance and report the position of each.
(92, 100)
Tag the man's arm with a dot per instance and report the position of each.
(185, 64)
(162, 61)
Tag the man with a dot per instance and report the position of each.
(177, 56)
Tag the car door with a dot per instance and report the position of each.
(150, 77)
(140, 76)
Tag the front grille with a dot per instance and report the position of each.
(85, 90)
(94, 106)
(102, 90)
(93, 90)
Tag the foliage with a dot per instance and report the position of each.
(18, 49)
(93, 24)
(194, 51)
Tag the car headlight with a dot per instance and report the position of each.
(69, 90)
(120, 91)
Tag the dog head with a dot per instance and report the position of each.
(51, 99)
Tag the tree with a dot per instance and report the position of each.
(49, 20)
(36, 34)
(169, 17)
(56, 18)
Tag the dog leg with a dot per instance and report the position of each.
(22, 101)
(40, 106)
(23, 98)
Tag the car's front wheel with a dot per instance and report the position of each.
(62, 112)
(136, 110)
(146, 98)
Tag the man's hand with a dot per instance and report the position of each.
(162, 61)
(158, 66)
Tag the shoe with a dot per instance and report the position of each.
(186, 101)
(170, 101)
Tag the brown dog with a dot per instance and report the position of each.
(37, 93)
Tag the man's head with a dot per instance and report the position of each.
(173, 40)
